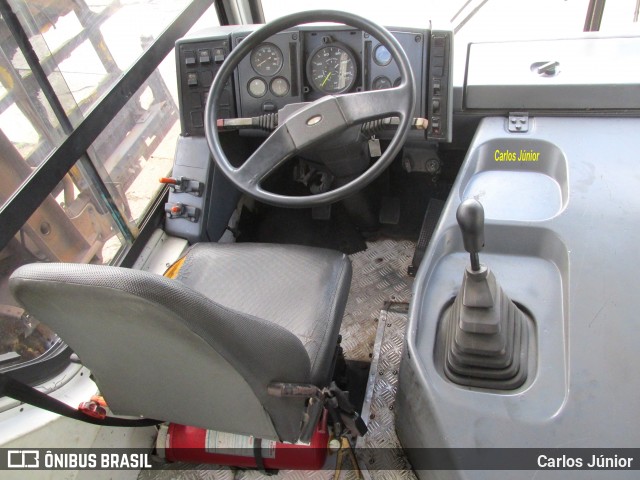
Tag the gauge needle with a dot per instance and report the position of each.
(325, 79)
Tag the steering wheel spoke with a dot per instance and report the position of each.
(363, 106)
(273, 152)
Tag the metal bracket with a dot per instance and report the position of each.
(416, 159)
(343, 415)
(518, 122)
(179, 210)
(184, 185)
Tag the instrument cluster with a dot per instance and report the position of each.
(267, 60)
(306, 63)
(309, 62)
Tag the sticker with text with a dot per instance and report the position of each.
(516, 156)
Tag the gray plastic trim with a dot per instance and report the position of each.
(591, 73)
(575, 273)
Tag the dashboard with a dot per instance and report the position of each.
(307, 62)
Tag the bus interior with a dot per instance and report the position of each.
(320, 239)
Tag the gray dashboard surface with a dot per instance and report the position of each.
(570, 257)
(591, 73)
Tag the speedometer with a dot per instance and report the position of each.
(332, 69)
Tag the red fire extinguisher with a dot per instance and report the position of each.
(197, 445)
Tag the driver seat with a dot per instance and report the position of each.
(202, 348)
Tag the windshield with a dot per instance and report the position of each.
(407, 13)
(478, 20)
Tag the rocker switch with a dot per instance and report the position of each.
(189, 59)
(218, 55)
(204, 57)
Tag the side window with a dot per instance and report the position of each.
(621, 16)
(95, 213)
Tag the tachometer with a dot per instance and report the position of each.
(332, 69)
(266, 59)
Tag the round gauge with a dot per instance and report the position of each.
(332, 69)
(381, 55)
(257, 87)
(397, 81)
(279, 86)
(266, 59)
(380, 83)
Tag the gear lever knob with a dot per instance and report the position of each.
(470, 217)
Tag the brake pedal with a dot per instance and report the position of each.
(389, 211)
(322, 212)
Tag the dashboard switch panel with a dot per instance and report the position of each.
(199, 59)
(186, 204)
(440, 89)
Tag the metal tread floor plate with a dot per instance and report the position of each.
(379, 279)
(379, 451)
(379, 276)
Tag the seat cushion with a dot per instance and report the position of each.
(302, 289)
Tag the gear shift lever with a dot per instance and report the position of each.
(478, 286)
(470, 216)
(487, 340)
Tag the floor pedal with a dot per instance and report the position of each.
(389, 211)
(431, 217)
(323, 212)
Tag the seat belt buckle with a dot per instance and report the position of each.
(93, 409)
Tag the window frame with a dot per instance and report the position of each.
(19, 207)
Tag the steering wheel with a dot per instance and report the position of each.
(316, 121)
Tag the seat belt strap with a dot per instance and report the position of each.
(22, 392)
(174, 269)
(257, 455)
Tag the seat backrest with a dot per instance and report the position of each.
(161, 350)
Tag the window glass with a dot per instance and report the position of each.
(399, 13)
(524, 20)
(71, 225)
(621, 16)
(138, 146)
(26, 119)
(473, 21)
(83, 47)
(504, 19)
(89, 44)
